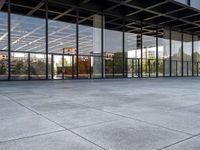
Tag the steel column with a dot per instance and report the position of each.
(46, 26)
(192, 54)
(77, 42)
(9, 40)
(141, 46)
(157, 51)
(182, 64)
(123, 46)
(102, 47)
(170, 52)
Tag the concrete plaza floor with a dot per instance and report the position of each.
(116, 114)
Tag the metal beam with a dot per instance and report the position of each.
(2, 2)
(35, 8)
(63, 14)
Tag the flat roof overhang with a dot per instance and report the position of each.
(152, 13)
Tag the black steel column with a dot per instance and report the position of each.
(123, 46)
(141, 46)
(46, 17)
(29, 66)
(170, 52)
(63, 63)
(9, 40)
(90, 67)
(192, 54)
(72, 66)
(157, 51)
(102, 48)
(182, 67)
(77, 44)
(52, 67)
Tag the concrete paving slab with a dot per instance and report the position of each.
(20, 127)
(56, 106)
(80, 117)
(190, 144)
(168, 106)
(127, 134)
(55, 141)
(10, 109)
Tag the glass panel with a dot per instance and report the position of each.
(109, 67)
(27, 33)
(90, 45)
(113, 51)
(50, 66)
(19, 66)
(163, 53)
(68, 61)
(149, 52)
(196, 53)
(132, 52)
(3, 42)
(176, 53)
(96, 63)
(37, 66)
(187, 55)
(57, 66)
(62, 37)
(3, 65)
(183, 1)
(84, 66)
(195, 3)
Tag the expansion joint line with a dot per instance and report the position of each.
(66, 129)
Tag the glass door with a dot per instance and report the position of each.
(133, 67)
(68, 66)
(57, 66)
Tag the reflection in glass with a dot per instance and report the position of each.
(132, 54)
(90, 45)
(37, 66)
(113, 53)
(163, 53)
(67, 67)
(27, 33)
(187, 55)
(57, 67)
(62, 36)
(176, 54)
(19, 66)
(84, 66)
(149, 55)
(3, 46)
(3, 65)
(196, 67)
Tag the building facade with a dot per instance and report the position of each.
(87, 39)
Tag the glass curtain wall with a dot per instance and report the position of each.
(187, 55)
(4, 42)
(90, 47)
(27, 37)
(132, 54)
(163, 52)
(113, 53)
(149, 52)
(28, 47)
(85, 50)
(61, 43)
(176, 54)
(196, 65)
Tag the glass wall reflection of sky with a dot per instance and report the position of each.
(3, 31)
(28, 34)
